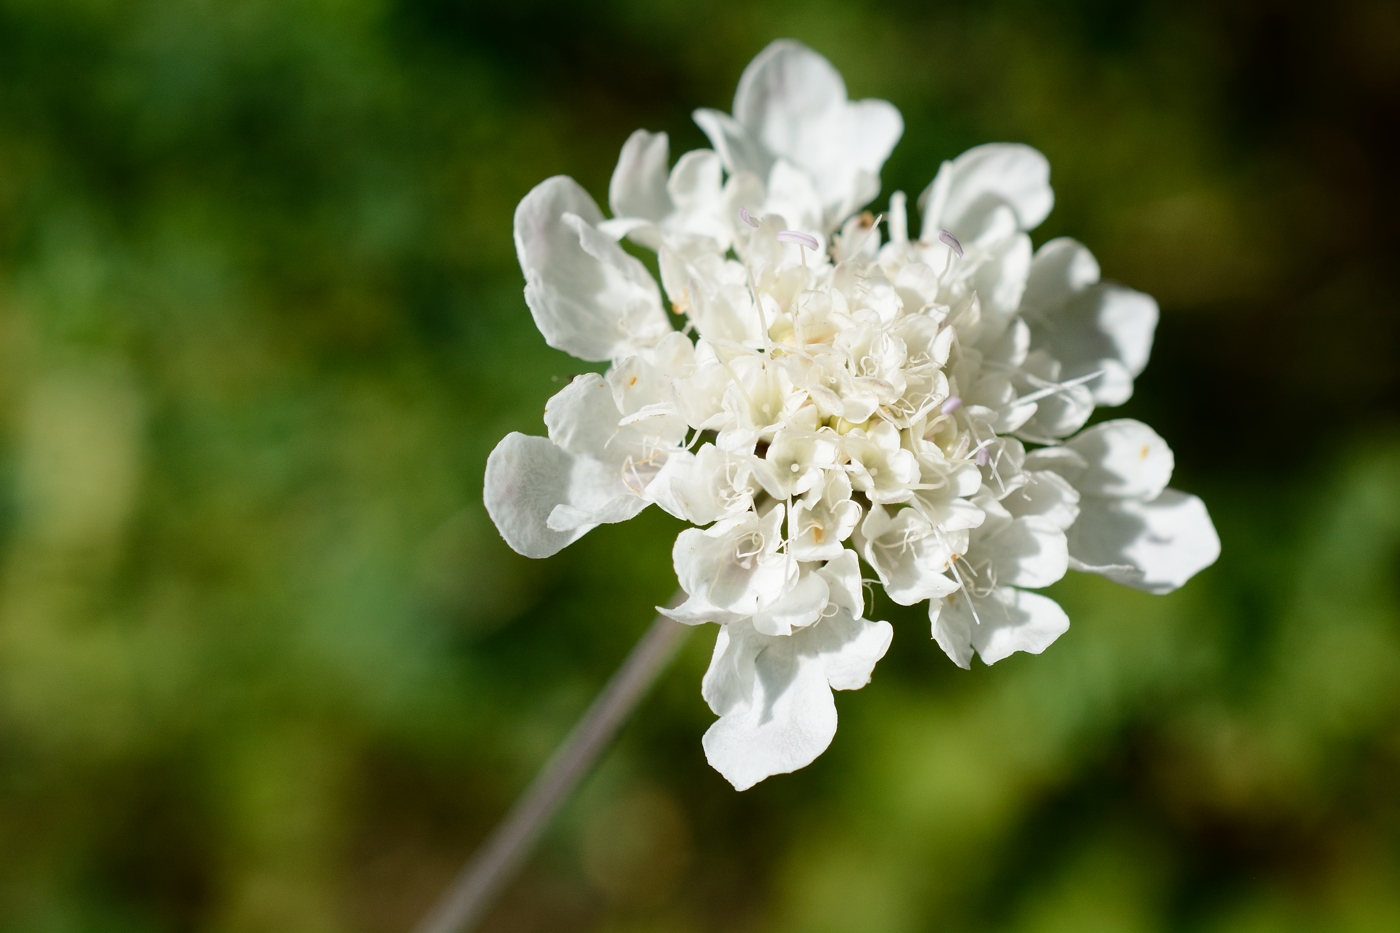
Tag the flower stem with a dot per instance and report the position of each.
(464, 904)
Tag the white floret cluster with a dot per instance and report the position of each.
(839, 396)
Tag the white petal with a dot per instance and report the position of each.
(773, 693)
(728, 682)
(1027, 552)
(685, 489)
(526, 477)
(697, 610)
(545, 493)
(1006, 621)
(1061, 460)
(697, 182)
(909, 558)
(952, 630)
(850, 648)
(736, 565)
(1001, 281)
(843, 580)
(588, 297)
(1154, 546)
(1100, 328)
(793, 198)
(775, 706)
(1059, 415)
(1123, 459)
(738, 151)
(583, 418)
(784, 92)
(968, 188)
(793, 102)
(798, 608)
(638, 187)
(568, 516)
(1015, 620)
(818, 532)
(1061, 269)
(1046, 494)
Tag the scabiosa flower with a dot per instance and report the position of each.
(841, 395)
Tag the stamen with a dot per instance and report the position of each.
(1054, 389)
(981, 457)
(798, 239)
(950, 241)
(952, 405)
(747, 218)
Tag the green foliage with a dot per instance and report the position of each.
(265, 664)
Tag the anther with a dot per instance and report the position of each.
(981, 457)
(950, 241)
(797, 239)
(747, 218)
(952, 405)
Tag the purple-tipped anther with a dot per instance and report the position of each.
(952, 405)
(950, 241)
(747, 218)
(981, 457)
(798, 239)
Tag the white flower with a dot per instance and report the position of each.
(840, 392)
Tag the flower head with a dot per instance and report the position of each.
(841, 392)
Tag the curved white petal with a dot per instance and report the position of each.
(773, 693)
(1059, 415)
(798, 608)
(910, 559)
(1086, 325)
(582, 418)
(970, 187)
(952, 629)
(776, 710)
(544, 494)
(697, 182)
(736, 565)
(849, 647)
(842, 576)
(1004, 622)
(1062, 268)
(1124, 459)
(526, 477)
(701, 488)
(588, 297)
(1001, 280)
(1028, 551)
(791, 104)
(1047, 495)
(1154, 546)
(737, 150)
(638, 186)
(697, 610)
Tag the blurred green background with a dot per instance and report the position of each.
(266, 666)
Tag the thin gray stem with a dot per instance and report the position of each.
(465, 903)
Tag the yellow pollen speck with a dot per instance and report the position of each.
(1143, 453)
(632, 381)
